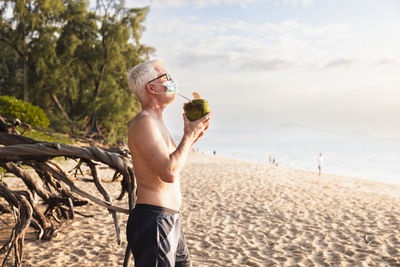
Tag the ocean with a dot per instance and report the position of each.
(345, 155)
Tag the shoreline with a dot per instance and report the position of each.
(380, 180)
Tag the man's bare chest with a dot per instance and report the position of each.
(167, 136)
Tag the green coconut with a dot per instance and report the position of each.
(196, 109)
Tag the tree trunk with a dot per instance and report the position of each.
(94, 127)
(26, 92)
(65, 114)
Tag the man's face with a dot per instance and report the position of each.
(160, 91)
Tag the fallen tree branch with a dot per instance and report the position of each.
(82, 193)
(23, 215)
(57, 190)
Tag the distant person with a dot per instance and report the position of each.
(154, 231)
(270, 159)
(214, 152)
(320, 162)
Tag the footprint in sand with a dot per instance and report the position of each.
(392, 251)
(79, 252)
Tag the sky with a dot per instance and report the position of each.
(329, 64)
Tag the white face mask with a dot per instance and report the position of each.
(171, 85)
(172, 88)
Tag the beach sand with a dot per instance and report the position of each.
(238, 213)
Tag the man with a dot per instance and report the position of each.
(320, 163)
(153, 230)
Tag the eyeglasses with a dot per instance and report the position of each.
(166, 76)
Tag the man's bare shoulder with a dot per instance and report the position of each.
(141, 119)
(141, 126)
(137, 128)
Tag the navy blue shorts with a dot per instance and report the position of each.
(155, 237)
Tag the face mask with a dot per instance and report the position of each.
(172, 88)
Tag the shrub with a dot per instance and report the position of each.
(13, 108)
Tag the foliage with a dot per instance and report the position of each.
(13, 108)
(72, 61)
(11, 72)
(46, 136)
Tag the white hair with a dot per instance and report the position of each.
(140, 75)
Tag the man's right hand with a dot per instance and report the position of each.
(193, 130)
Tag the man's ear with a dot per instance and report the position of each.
(148, 88)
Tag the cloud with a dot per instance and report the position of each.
(226, 45)
(265, 65)
(232, 62)
(198, 3)
(204, 3)
(342, 62)
(203, 59)
(304, 3)
(238, 45)
(385, 62)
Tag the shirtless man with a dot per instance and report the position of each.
(153, 231)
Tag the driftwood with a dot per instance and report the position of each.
(57, 190)
(23, 216)
(10, 126)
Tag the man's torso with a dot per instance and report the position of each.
(151, 188)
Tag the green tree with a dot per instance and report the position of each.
(31, 31)
(97, 49)
(11, 72)
(103, 54)
(76, 62)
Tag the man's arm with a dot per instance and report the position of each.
(148, 140)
